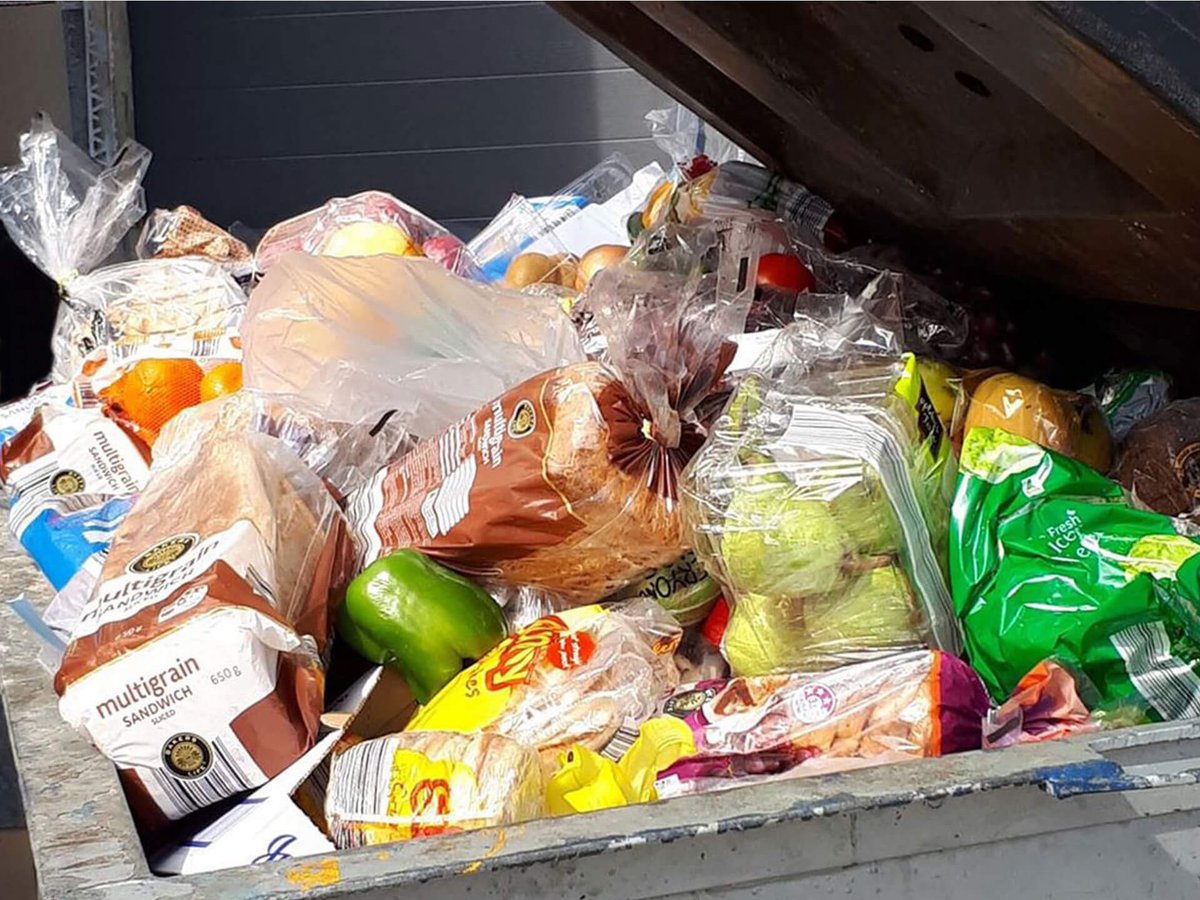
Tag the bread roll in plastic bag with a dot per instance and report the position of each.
(919, 704)
(196, 666)
(567, 482)
(425, 783)
(587, 676)
(366, 224)
(183, 231)
(351, 339)
(818, 502)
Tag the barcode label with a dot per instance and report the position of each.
(85, 394)
(203, 347)
(621, 742)
(360, 785)
(223, 778)
(1167, 682)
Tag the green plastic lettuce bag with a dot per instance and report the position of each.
(1048, 560)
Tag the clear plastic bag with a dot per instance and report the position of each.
(818, 501)
(160, 309)
(66, 212)
(692, 144)
(350, 339)
(365, 224)
(567, 482)
(587, 676)
(915, 705)
(589, 211)
(425, 783)
(183, 231)
(216, 599)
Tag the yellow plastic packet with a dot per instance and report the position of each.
(587, 781)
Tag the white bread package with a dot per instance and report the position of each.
(196, 666)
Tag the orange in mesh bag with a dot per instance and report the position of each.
(567, 482)
(153, 392)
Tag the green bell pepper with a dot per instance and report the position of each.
(418, 617)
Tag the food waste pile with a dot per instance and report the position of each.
(659, 485)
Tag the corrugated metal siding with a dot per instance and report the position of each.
(256, 111)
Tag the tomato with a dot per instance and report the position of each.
(785, 271)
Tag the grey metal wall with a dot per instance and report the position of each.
(256, 111)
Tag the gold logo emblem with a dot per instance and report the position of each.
(163, 553)
(523, 420)
(68, 481)
(187, 755)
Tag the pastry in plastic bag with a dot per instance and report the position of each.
(424, 783)
(196, 665)
(924, 703)
(579, 677)
(567, 482)
(183, 231)
(1160, 460)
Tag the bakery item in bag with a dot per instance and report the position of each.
(197, 663)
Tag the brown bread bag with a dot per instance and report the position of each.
(197, 663)
(567, 482)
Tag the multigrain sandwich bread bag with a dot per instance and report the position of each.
(197, 664)
(567, 482)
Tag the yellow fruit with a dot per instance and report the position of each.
(530, 268)
(594, 260)
(1027, 408)
(369, 239)
(660, 199)
(223, 379)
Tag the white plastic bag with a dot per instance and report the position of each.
(350, 339)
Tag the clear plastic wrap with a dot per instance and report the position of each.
(693, 145)
(1060, 420)
(183, 231)
(66, 212)
(818, 501)
(915, 705)
(350, 339)
(567, 482)
(589, 211)
(365, 224)
(424, 783)
(1045, 706)
(214, 602)
(587, 676)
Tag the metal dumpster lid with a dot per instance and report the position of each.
(1020, 138)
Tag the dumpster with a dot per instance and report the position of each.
(1029, 143)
